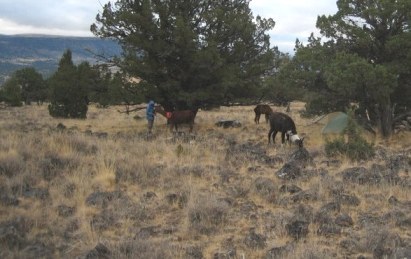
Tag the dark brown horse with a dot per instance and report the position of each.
(262, 109)
(280, 122)
(176, 118)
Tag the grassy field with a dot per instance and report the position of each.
(99, 188)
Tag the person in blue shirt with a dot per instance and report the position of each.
(150, 115)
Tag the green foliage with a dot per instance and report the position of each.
(25, 85)
(353, 146)
(32, 85)
(69, 89)
(365, 58)
(10, 92)
(190, 53)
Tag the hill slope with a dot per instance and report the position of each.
(43, 52)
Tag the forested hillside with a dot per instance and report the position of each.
(44, 51)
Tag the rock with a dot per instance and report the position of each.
(301, 156)
(227, 254)
(228, 123)
(344, 220)
(347, 199)
(289, 171)
(297, 228)
(254, 240)
(13, 233)
(279, 252)
(265, 186)
(290, 188)
(194, 252)
(102, 198)
(329, 229)
(99, 252)
(103, 221)
(360, 175)
(61, 126)
(8, 200)
(399, 162)
(402, 252)
(37, 250)
(65, 211)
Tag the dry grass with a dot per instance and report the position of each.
(101, 181)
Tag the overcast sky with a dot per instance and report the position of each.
(294, 18)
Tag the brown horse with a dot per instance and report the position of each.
(262, 109)
(176, 118)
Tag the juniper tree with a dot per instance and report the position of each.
(190, 52)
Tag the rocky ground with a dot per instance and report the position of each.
(100, 188)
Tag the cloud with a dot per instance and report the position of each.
(70, 15)
(294, 18)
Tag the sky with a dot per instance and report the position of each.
(294, 18)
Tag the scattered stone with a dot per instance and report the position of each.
(61, 126)
(194, 252)
(303, 196)
(99, 252)
(402, 252)
(265, 186)
(393, 200)
(329, 229)
(301, 156)
(399, 162)
(347, 199)
(358, 175)
(290, 188)
(228, 124)
(39, 193)
(13, 233)
(37, 250)
(351, 246)
(103, 221)
(289, 171)
(65, 211)
(147, 232)
(254, 240)
(344, 220)
(228, 254)
(8, 200)
(101, 199)
(149, 195)
(279, 252)
(297, 229)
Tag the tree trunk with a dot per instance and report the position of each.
(385, 119)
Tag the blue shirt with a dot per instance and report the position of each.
(150, 111)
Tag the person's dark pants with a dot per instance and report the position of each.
(150, 125)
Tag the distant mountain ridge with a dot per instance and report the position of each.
(43, 52)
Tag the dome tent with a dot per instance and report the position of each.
(337, 122)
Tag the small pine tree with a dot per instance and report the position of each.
(11, 92)
(68, 90)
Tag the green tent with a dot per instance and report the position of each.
(337, 122)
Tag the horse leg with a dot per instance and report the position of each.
(267, 117)
(269, 135)
(257, 118)
(282, 137)
(275, 134)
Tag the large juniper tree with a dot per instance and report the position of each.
(190, 52)
(367, 52)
